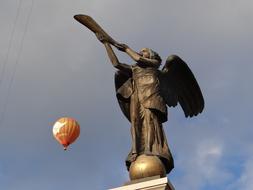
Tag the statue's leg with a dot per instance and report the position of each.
(148, 129)
(133, 134)
(156, 142)
(135, 122)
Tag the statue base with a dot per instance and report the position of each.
(149, 183)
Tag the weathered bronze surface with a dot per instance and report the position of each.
(144, 92)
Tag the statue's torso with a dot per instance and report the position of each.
(145, 81)
(146, 85)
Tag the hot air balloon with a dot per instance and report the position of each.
(66, 130)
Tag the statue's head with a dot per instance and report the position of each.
(150, 54)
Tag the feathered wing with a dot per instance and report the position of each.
(121, 80)
(178, 84)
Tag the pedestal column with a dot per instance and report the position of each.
(148, 184)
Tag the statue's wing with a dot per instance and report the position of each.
(120, 79)
(178, 84)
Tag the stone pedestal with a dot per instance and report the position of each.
(148, 184)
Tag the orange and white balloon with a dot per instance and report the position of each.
(66, 130)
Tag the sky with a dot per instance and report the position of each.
(56, 67)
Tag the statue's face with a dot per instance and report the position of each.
(145, 53)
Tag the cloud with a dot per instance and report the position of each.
(245, 181)
(244, 176)
(202, 165)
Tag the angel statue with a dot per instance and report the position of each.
(144, 92)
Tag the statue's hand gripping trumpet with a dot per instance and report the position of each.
(144, 92)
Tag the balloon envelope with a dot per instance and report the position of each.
(66, 130)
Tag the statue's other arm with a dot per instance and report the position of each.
(138, 58)
(114, 60)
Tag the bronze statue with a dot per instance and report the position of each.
(144, 92)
